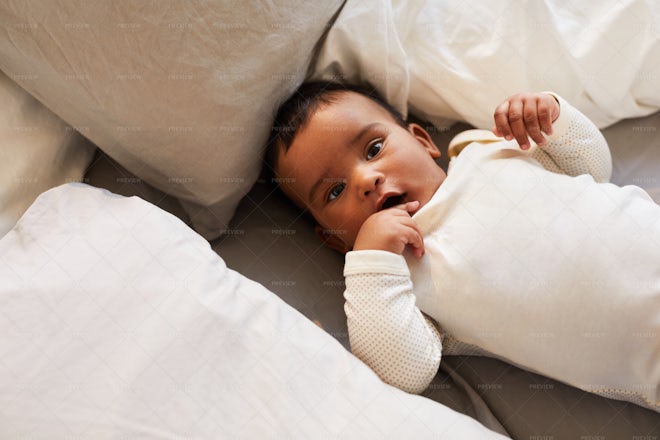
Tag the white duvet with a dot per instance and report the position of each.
(117, 320)
(456, 60)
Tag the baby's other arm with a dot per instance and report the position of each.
(386, 329)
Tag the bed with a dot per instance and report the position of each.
(154, 282)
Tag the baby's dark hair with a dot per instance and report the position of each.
(295, 112)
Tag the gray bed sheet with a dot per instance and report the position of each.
(272, 242)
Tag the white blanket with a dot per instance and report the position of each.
(456, 60)
(117, 320)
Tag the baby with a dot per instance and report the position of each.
(521, 251)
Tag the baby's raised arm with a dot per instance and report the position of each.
(568, 141)
(526, 115)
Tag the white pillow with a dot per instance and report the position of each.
(37, 152)
(181, 93)
(119, 321)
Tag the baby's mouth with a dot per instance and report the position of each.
(392, 201)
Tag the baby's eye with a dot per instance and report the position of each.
(335, 191)
(374, 149)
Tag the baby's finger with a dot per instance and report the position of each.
(517, 123)
(412, 207)
(413, 236)
(545, 116)
(415, 241)
(531, 116)
(408, 207)
(501, 117)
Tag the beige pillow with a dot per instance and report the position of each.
(38, 151)
(182, 94)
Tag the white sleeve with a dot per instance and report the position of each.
(386, 330)
(576, 146)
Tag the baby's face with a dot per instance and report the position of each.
(352, 159)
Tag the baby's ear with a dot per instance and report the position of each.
(424, 138)
(331, 240)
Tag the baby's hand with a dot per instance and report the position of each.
(391, 230)
(526, 114)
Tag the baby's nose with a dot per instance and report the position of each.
(371, 185)
(369, 181)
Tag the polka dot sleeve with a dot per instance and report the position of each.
(386, 330)
(576, 146)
